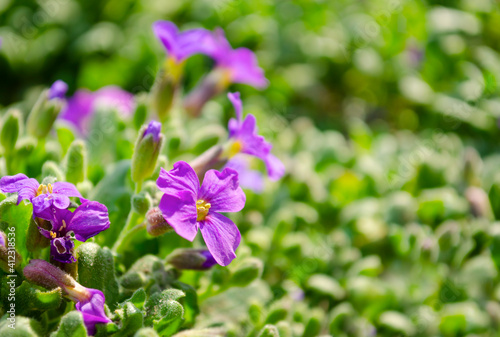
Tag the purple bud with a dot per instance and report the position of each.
(153, 128)
(58, 90)
(194, 259)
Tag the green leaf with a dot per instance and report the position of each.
(94, 260)
(164, 312)
(19, 327)
(269, 331)
(146, 332)
(30, 297)
(138, 298)
(190, 302)
(71, 326)
(131, 318)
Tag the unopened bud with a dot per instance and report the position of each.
(51, 169)
(246, 271)
(165, 87)
(212, 85)
(11, 128)
(75, 162)
(6, 258)
(195, 259)
(46, 110)
(210, 159)
(479, 203)
(147, 149)
(141, 202)
(156, 223)
(140, 113)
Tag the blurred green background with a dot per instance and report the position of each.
(386, 116)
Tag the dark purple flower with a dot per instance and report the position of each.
(92, 309)
(88, 220)
(210, 260)
(41, 196)
(58, 90)
(240, 65)
(247, 177)
(154, 128)
(81, 107)
(181, 45)
(245, 139)
(188, 207)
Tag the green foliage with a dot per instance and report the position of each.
(71, 326)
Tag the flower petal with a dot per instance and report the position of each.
(275, 168)
(22, 185)
(89, 219)
(253, 144)
(245, 68)
(180, 213)
(221, 236)
(181, 178)
(222, 191)
(235, 99)
(247, 177)
(67, 189)
(61, 249)
(93, 311)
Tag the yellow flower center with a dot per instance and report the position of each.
(234, 148)
(202, 208)
(44, 189)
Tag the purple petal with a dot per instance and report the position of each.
(180, 212)
(3, 238)
(244, 68)
(42, 203)
(154, 128)
(275, 168)
(25, 187)
(235, 99)
(181, 178)
(248, 178)
(89, 219)
(222, 191)
(181, 45)
(209, 262)
(61, 249)
(252, 143)
(79, 109)
(113, 97)
(58, 90)
(93, 311)
(221, 236)
(67, 189)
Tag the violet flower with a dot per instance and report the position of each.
(58, 90)
(181, 45)
(41, 196)
(247, 177)
(92, 309)
(82, 106)
(188, 207)
(88, 220)
(245, 139)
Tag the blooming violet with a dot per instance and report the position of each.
(188, 207)
(245, 139)
(41, 196)
(88, 219)
(92, 309)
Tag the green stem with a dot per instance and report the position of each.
(209, 293)
(123, 237)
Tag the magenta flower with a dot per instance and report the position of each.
(181, 45)
(240, 65)
(92, 309)
(245, 139)
(88, 220)
(41, 196)
(81, 107)
(58, 90)
(188, 207)
(247, 177)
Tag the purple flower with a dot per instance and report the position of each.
(3, 239)
(188, 207)
(245, 139)
(88, 220)
(58, 90)
(210, 260)
(181, 45)
(81, 107)
(248, 178)
(41, 196)
(92, 309)
(153, 128)
(240, 64)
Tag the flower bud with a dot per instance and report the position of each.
(165, 87)
(269, 330)
(141, 202)
(147, 149)
(212, 85)
(210, 159)
(140, 113)
(195, 259)
(246, 271)
(51, 169)
(46, 110)
(75, 162)
(9, 257)
(11, 128)
(156, 224)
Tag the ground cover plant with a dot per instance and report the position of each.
(249, 168)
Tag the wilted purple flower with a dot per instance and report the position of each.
(84, 103)
(90, 302)
(188, 207)
(247, 177)
(92, 309)
(58, 90)
(88, 220)
(245, 139)
(41, 196)
(240, 65)
(181, 45)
